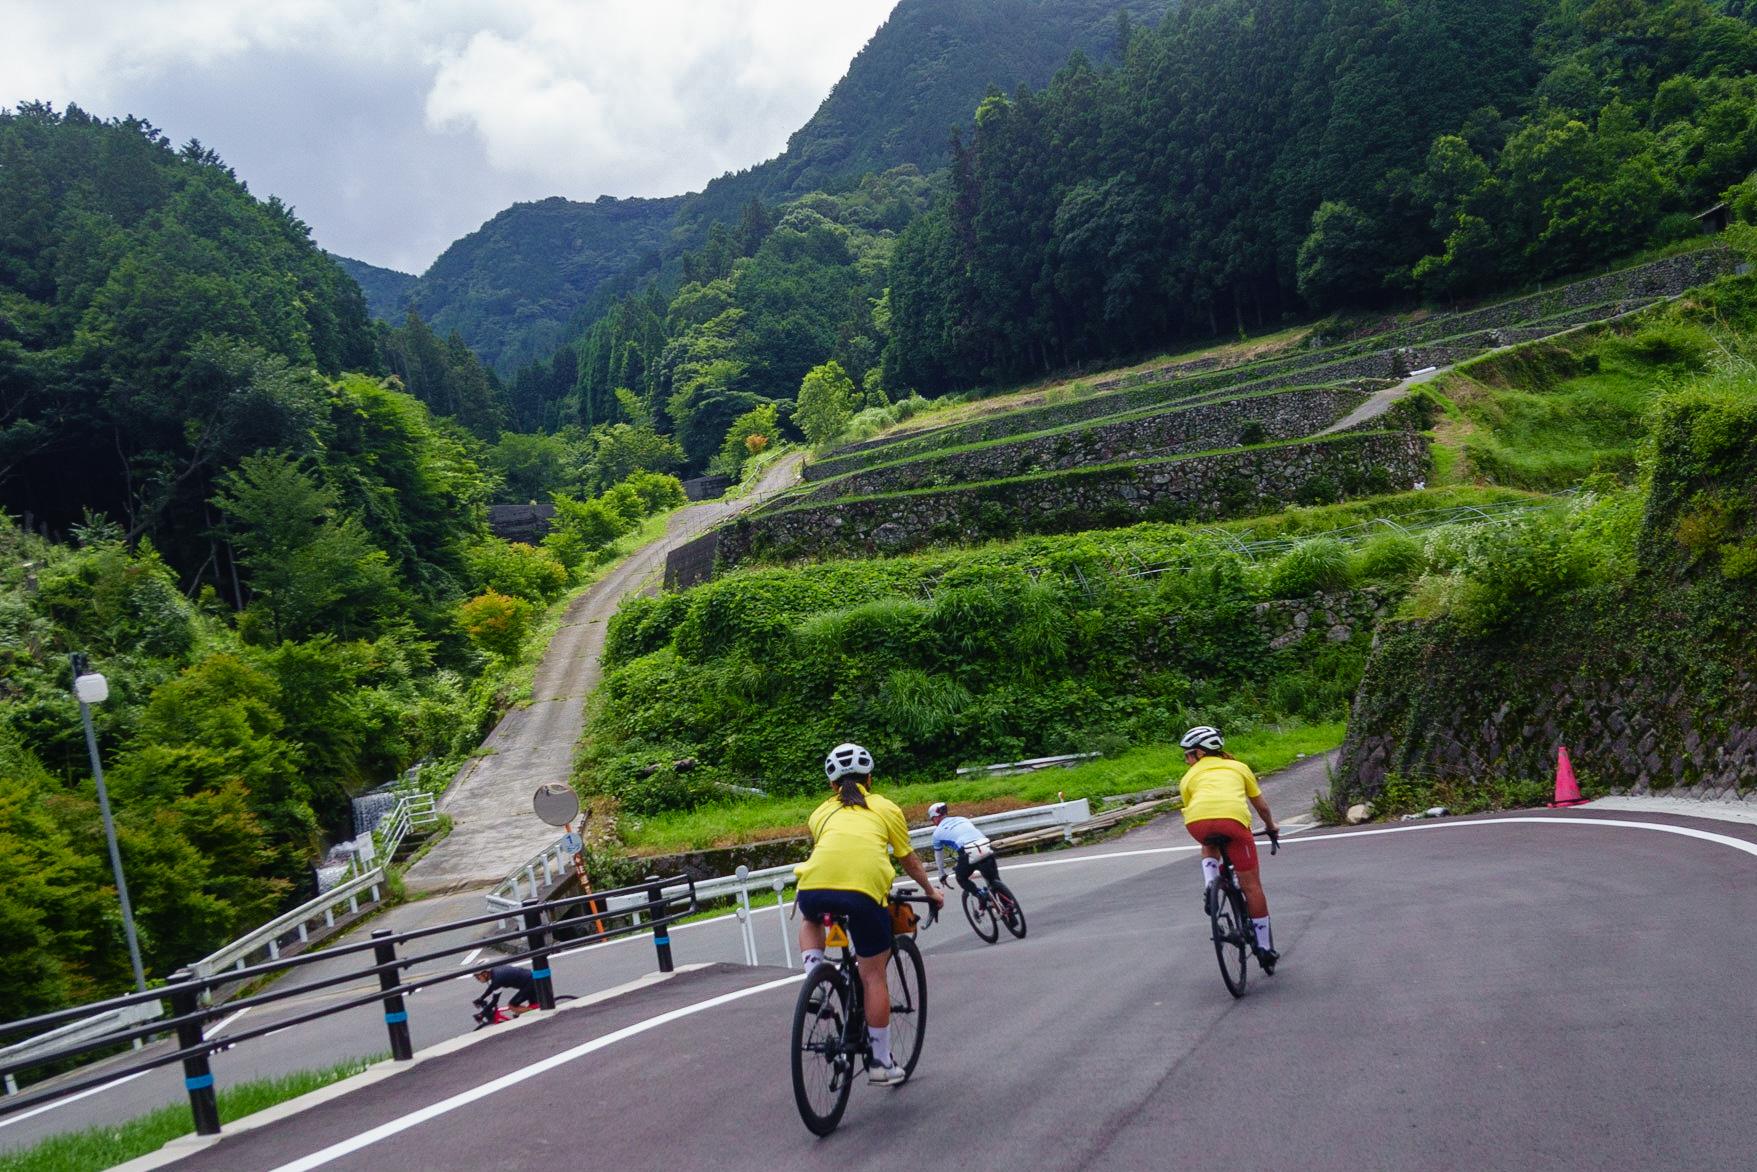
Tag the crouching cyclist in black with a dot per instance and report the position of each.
(509, 976)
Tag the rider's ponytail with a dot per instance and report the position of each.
(848, 789)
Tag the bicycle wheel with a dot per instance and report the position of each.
(1012, 914)
(980, 913)
(907, 978)
(823, 1068)
(1231, 931)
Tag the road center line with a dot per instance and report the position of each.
(464, 1098)
(212, 1030)
(22, 1116)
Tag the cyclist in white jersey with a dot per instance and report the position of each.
(959, 837)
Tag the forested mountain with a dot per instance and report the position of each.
(513, 288)
(1249, 158)
(385, 289)
(256, 528)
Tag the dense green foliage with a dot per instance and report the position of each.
(1041, 646)
(386, 289)
(1251, 156)
(505, 289)
(759, 308)
(514, 288)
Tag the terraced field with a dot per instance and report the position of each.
(1189, 440)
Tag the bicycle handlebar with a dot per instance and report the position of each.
(933, 909)
(1274, 837)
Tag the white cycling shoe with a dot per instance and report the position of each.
(886, 1076)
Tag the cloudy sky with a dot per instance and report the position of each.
(396, 126)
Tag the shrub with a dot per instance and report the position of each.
(1389, 557)
(517, 569)
(496, 622)
(1319, 564)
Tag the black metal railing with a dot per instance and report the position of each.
(191, 996)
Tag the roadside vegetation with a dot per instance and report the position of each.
(113, 1144)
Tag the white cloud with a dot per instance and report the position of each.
(508, 99)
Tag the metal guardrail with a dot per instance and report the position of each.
(51, 1040)
(99, 1028)
(366, 888)
(553, 865)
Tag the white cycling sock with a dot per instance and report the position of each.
(1264, 940)
(1210, 871)
(881, 1044)
(810, 957)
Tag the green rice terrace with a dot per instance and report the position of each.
(1087, 575)
(1183, 441)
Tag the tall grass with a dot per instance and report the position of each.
(107, 1146)
(1146, 767)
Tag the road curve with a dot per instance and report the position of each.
(493, 829)
(1566, 990)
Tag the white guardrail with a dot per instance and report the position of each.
(554, 866)
(88, 1029)
(363, 889)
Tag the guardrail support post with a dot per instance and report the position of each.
(661, 932)
(781, 918)
(198, 1078)
(396, 1017)
(538, 939)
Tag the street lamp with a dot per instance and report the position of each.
(91, 688)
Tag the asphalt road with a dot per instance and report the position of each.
(1489, 994)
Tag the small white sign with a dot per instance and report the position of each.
(571, 844)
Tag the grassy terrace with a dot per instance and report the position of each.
(1143, 768)
(818, 489)
(1079, 400)
(1340, 438)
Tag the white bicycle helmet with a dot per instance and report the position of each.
(937, 810)
(1203, 737)
(847, 758)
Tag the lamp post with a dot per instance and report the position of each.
(91, 688)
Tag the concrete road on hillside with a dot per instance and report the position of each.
(493, 829)
(1550, 989)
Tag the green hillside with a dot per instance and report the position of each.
(385, 289)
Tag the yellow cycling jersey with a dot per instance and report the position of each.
(1216, 787)
(848, 847)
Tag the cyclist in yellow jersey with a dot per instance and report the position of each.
(1218, 793)
(854, 837)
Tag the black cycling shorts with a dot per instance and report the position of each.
(869, 922)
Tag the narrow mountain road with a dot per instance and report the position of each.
(493, 829)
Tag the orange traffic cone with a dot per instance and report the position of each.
(1567, 789)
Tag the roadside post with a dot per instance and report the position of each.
(558, 805)
(198, 1077)
(396, 1013)
(537, 939)
(781, 919)
(661, 932)
(745, 930)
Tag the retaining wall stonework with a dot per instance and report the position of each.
(1201, 488)
(1335, 617)
(1475, 711)
(1375, 355)
(1198, 428)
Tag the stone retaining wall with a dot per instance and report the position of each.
(1335, 617)
(1560, 308)
(1198, 428)
(1454, 709)
(1202, 488)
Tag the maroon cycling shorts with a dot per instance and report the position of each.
(1241, 848)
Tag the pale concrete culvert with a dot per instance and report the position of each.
(489, 802)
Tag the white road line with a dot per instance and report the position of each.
(22, 1116)
(464, 1098)
(464, 963)
(212, 1030)
(1737, 844)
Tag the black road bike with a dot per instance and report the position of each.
(830, 1044)
(990, 906)
(1235, 941)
